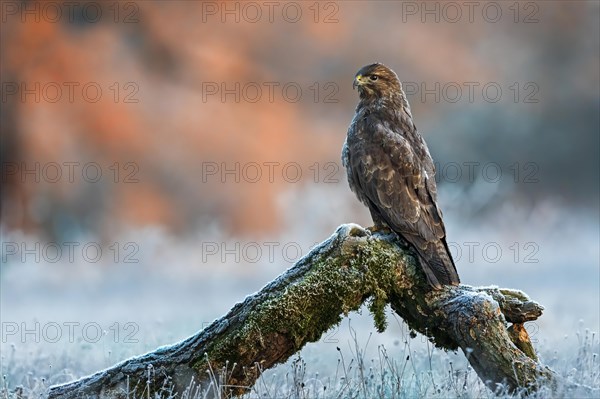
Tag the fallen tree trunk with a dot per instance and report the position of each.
(335, 278)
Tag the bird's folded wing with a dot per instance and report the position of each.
(397, 181)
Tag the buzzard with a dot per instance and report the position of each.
(391, 172)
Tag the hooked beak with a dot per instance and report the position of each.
(357, 81)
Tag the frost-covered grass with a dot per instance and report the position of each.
(352, 366)
(422, 373)
(176, 289)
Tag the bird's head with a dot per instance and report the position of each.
(376, 81)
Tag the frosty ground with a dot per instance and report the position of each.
(64, 320)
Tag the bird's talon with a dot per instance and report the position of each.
(379, 230)
(357, 231)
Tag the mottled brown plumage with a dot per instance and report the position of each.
(390, 170)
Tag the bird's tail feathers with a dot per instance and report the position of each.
(438, 265)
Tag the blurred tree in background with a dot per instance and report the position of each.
(146, 94)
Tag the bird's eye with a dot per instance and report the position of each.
(373, 77)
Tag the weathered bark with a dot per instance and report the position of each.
(335, 278)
